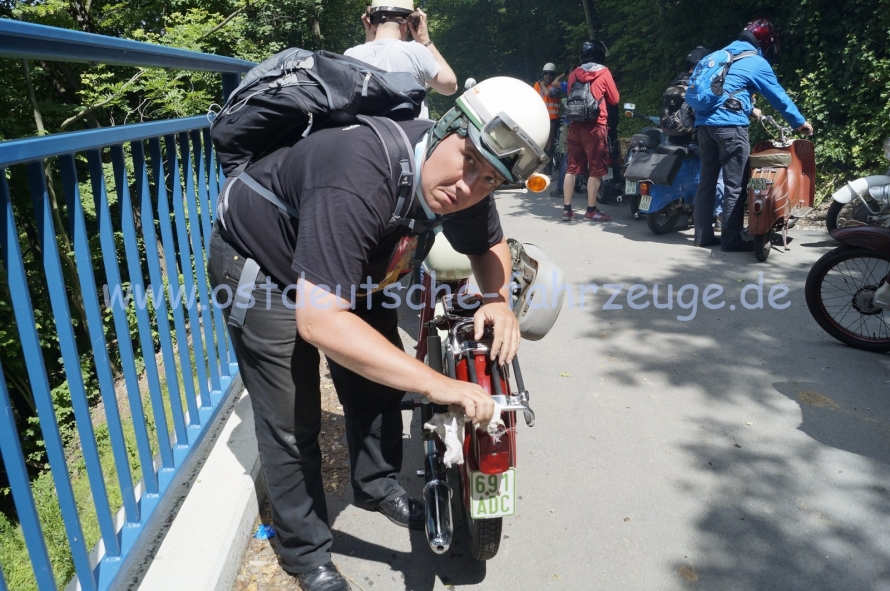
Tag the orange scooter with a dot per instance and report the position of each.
(781, 188)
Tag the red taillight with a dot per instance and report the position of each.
(757, 206)
(644, 188)
(493, 452)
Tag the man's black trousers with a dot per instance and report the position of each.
(724, 148)
(281, 374)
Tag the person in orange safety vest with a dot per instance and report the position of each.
(548, 87)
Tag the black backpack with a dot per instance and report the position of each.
(298, 91)
(581, 105)
(677, 117)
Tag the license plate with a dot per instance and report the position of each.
(758, 184)
(630, 187)
(608, 175)
(492, 495)
(645, 202)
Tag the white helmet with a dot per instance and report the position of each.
(550, 67)
(405, 7)
(508, 124)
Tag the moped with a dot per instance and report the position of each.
(848, 289)
(865, 200)
(640, 143)
(486, 479)
(781, 187)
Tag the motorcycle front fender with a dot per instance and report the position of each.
(859, 187)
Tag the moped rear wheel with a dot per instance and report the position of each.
(840, 295)
(661, 222)
(484, 535)
(764, 244)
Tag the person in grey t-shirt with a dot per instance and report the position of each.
(387, 48)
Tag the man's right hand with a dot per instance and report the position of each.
(806, 128)
(370, 30)
(476, 402)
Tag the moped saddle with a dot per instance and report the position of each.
(679, 151)
(770, 159)
(645, 140)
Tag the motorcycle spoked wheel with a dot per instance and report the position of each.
(763, 245)
(661, 222)
(840, 213)
(840, 291)
(483, 535)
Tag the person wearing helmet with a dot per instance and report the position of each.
(320, 288)
(588, 141)
(387, 25)
(723, 134)
(675, 119)
(548, 88)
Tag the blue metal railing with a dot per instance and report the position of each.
(153, 166)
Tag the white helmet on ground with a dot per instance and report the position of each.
(507, 122)
(549, 67)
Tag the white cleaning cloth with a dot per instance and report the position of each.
(449, 426)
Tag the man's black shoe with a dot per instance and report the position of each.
(324, 578)
(707, 243)
(402, 510)
(743, 247)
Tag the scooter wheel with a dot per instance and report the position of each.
(840, 295)
(484, 535)
(662, 223)
(763, 245)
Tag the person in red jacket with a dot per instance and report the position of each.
(589, 140)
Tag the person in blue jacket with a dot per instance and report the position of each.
(723, 134)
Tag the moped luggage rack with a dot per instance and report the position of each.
(463, 345)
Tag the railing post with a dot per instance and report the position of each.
(230, 82)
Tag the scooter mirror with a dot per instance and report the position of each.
(470, 83)
(630, 106)
(887, 148)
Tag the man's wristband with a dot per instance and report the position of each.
(428, 43)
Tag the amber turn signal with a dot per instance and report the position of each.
(537, 183)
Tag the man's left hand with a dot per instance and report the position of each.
(420, 32)
(506, 329)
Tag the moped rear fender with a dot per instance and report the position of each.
(871, 237)
(684, 187)
(859, 187)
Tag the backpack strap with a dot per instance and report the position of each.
(742, 55)
(400, 158)
(732, 60)
(268, 195)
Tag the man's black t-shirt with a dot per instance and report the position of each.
(339, 181)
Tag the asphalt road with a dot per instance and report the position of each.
(682, 448)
